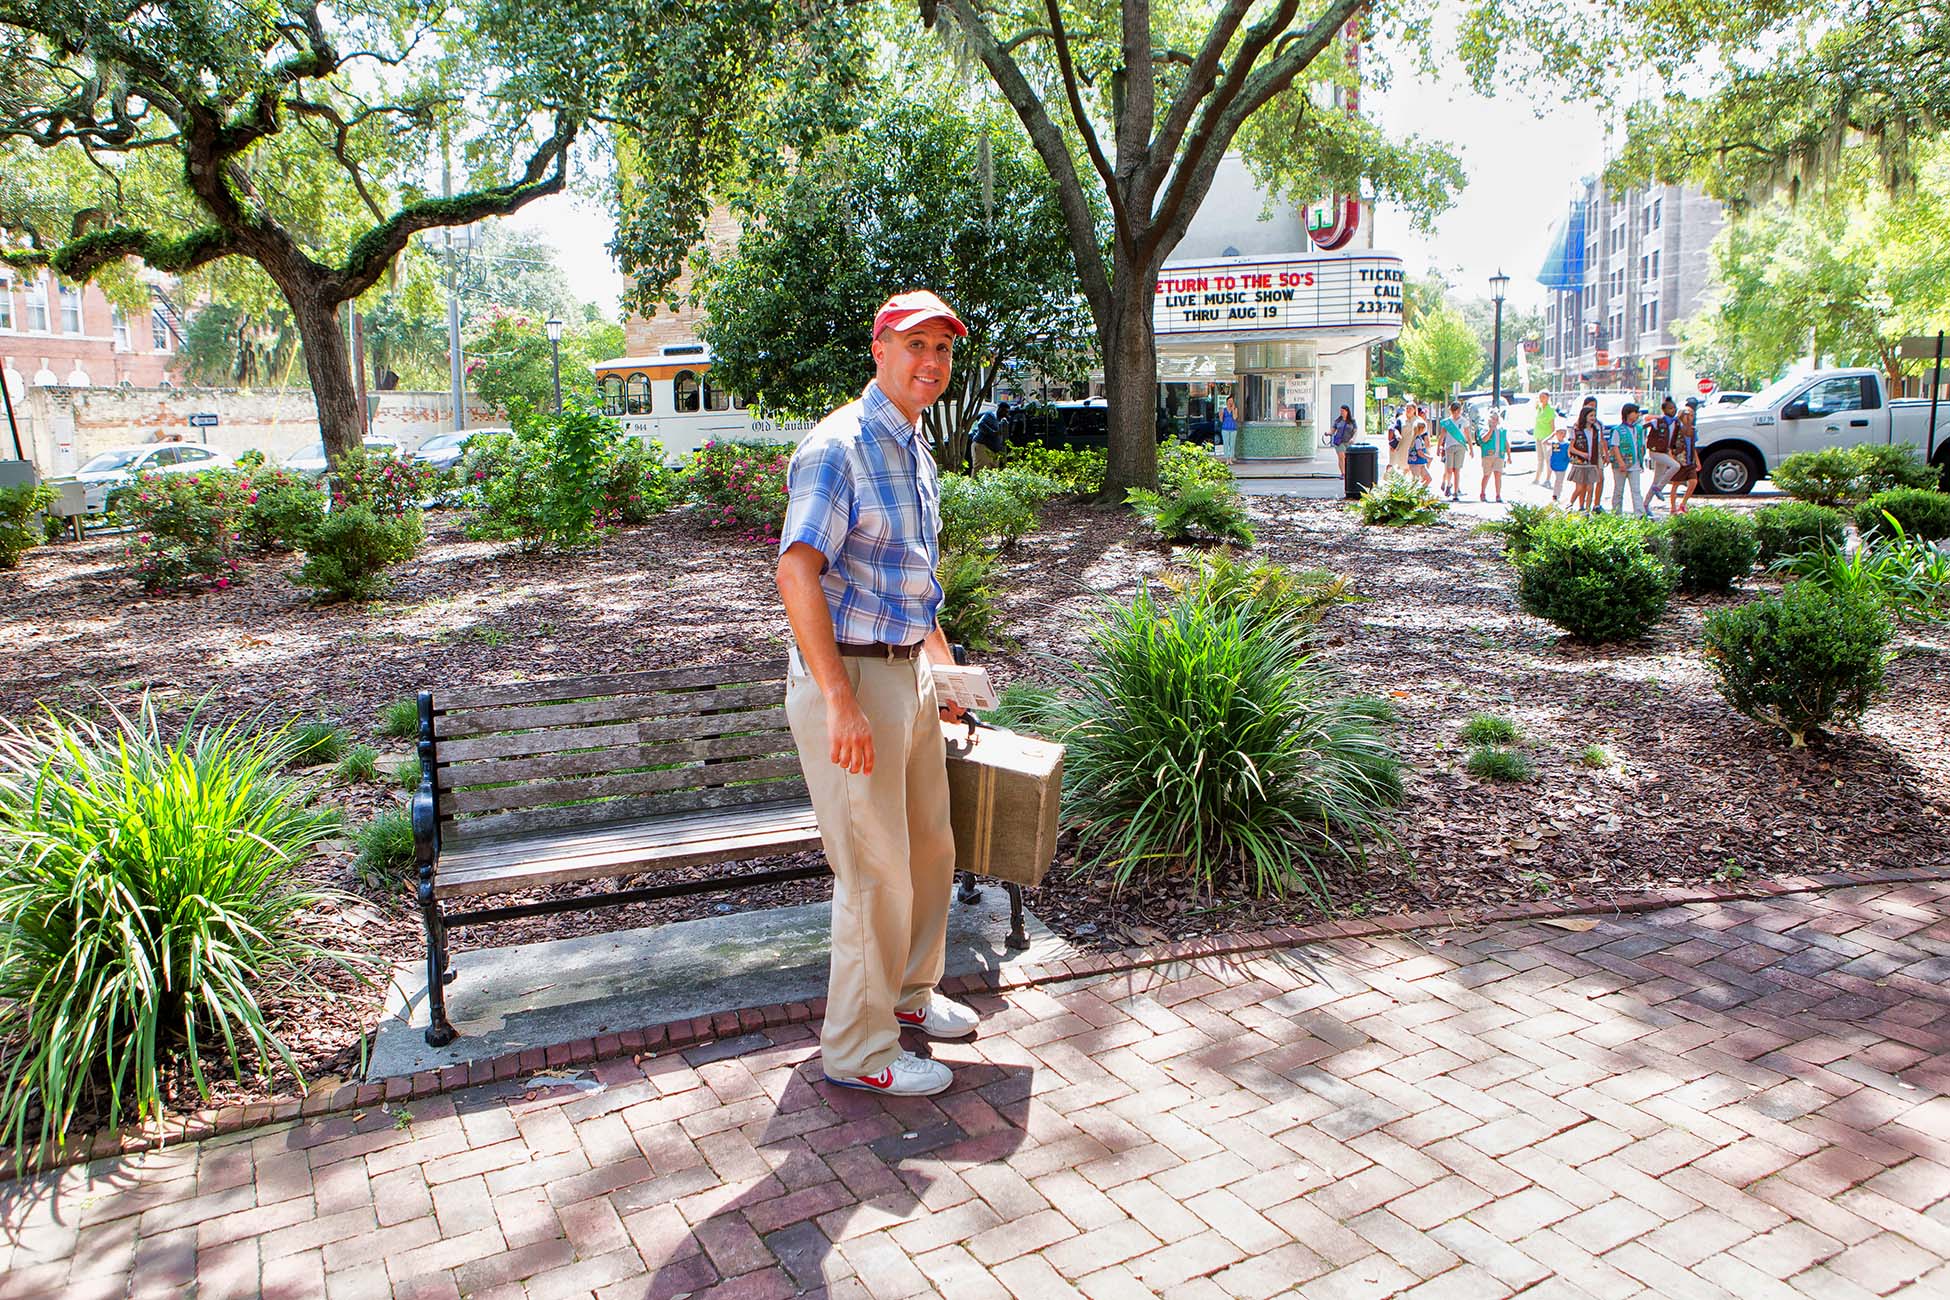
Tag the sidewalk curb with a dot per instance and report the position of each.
(682, 1034)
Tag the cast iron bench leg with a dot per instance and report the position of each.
(1018, 940)
(439, 1031)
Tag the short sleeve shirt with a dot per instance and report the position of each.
(1546, 420)
(1452, 432)
(863, 492)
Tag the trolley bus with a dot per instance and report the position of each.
(669, 397)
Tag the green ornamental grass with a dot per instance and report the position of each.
(385, 848)
(360, 764)
(1206, 744)
(317, 742)
(147, 903)
(1494, 764)
(407, 773)
(1491, 729)
(401, 718)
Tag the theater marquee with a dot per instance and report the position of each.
(1280, 296)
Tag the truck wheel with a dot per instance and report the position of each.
(1729, 473)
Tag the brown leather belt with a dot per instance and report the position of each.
(880, 650)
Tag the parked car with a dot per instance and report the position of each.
(1721, 397)
(310, 463)
(1740, 445)
(444, 450)
(1086, 424)
(117, 467)
(1519, 417)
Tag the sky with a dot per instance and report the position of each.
(1522, 173)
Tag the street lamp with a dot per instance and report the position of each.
(1499, 283)
(554, 328)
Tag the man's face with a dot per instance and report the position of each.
(912, 366)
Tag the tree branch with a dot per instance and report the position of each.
(1068, 72)
(1198, 82)
(1051, 148)
(546, 173)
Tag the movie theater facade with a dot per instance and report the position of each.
(1287, 336)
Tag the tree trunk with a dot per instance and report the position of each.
(328, 361)
(1131, 385)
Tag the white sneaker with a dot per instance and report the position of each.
(942, 1018)
(908, 1076)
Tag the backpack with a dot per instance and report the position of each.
(1658, 436)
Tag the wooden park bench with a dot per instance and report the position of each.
(582, 778)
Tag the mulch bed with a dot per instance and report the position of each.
(1692, 791)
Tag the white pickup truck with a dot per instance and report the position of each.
(1740, 445)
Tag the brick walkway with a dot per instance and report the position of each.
(1718, 1100)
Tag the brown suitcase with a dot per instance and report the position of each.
(1003, 797)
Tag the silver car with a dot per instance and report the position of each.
(310, 463)
(118, 466)
(444, 450)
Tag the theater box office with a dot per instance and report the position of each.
(1287, 336)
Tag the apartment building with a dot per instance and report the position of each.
(1623, 270)
(57, 334)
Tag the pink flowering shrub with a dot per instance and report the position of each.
(188, 528)
(280, 509)
(391, 483)
(740, 485)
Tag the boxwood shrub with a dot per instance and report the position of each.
(1711, 549)
(1801, 661)
(1924, 514)
(1796, 526)
(1595, 577)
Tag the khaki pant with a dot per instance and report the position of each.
(892, 850)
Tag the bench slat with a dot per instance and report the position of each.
(698, 828)
(757, 668)
(610, 708)
(520, 744)
(690, 777)
(530, 820)
(592, 762)
(630, 859)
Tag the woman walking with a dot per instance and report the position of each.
(1685, 450)
(1495, 446)
(1586, 446)
(1343, 434)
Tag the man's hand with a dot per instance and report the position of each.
(852, 737)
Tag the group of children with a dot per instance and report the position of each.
(1666, 444)
(1412, 453)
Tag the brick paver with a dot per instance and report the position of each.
(1740, 1099)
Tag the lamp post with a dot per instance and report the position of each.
(1498, 284)
(554, 328)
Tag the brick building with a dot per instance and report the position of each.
(1623, 271)
(56, 333)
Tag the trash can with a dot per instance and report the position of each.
(1363, 468)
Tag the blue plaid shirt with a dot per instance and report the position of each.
(864, 494)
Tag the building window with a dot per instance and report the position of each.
(1656, 205)
(37, 305)
(1652, 315)
(70, 309)
(636, 395)
(6, 303)
(716, 399)
(612, 395)
(685, 386)
(120, 324)
(1655, 263)
(158, 331)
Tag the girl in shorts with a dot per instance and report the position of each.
(1418, 452)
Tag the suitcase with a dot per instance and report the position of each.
(1003, 797)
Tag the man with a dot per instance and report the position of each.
(1546, 429)
(1627, 444)
(856, 571)
(989, 439)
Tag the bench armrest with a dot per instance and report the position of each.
(426, 808)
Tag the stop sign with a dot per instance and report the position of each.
(1706, 385)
